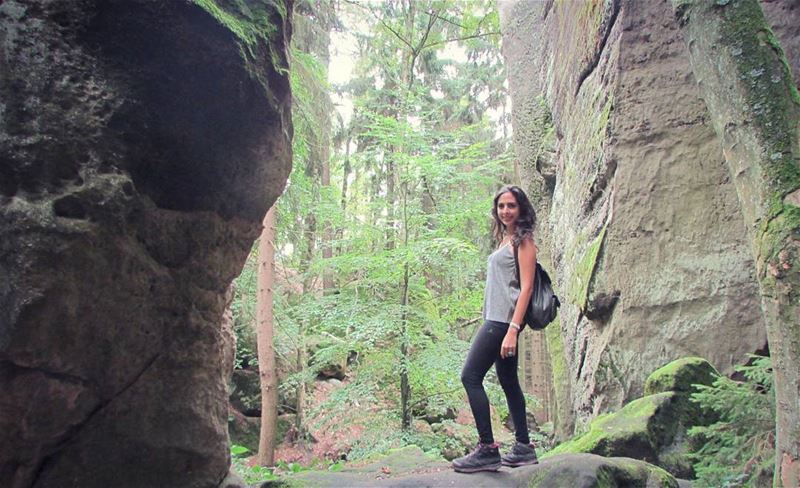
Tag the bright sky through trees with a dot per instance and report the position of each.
(344, 51)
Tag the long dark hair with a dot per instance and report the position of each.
(526, 222)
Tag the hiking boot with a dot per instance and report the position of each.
(485, 457)
(520, 455)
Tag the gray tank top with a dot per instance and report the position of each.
(502, 286)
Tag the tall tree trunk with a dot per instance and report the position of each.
(346, 170)
(264, 334)
(405, 387)
(755, 108)
(327, 231)
(300, 390)
(300, 353)
(391, 178)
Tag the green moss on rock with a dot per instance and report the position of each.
(394, 462)
(680, 376)
(249, 24)
(652, 428)
(637, 430)
(582, 276)
(773, 110)
(244, 431)
(583, 469)
(258, 27)
(558, 365)
(398, 460)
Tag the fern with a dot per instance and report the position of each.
(738, 450)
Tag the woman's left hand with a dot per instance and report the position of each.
(509, 346)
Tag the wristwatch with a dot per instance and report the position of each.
(514, 326)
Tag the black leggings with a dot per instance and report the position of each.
(484, 351)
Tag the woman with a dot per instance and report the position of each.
(505, 300)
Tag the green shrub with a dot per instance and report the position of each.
(250, 474)
(739, 449)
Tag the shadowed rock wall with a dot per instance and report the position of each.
(644, 230)
(141, 143)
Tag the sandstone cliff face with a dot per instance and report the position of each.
(644, 232)
(141, 143)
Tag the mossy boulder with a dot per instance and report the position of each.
(586, 470)
(246, 431)
(638, 430)
(401, 460)
(368, 472)
(680, 376)
(652, 428)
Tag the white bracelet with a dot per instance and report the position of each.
(514, 326)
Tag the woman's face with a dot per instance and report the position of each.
(507, 209)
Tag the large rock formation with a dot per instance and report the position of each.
(644, 230)
(141, 143)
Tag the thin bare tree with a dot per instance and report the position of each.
(264, 334)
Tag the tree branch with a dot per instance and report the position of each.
(473, 36)
(469, 322)
(415, 52)
(379, 19)
(451, 22)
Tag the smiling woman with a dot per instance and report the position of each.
(505, 300)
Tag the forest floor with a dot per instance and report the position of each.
(367, 423)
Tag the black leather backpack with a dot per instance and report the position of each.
(543, 305)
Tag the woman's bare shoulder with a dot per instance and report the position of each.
(528, 241)
(528, 244)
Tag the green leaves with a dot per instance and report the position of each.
(380, 266)
(410, 194)
(238, 450)
(250, 474)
